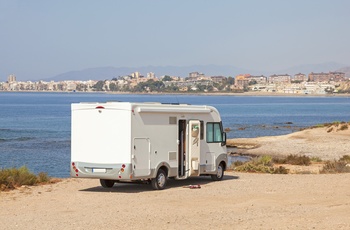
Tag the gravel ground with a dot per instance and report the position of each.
(239, 201)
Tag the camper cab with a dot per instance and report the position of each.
(150, 142)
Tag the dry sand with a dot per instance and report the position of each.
(240, 201)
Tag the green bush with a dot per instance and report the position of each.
(43, 178)
(15, 177)
(319, 126)
(315, 159)
(328, 125)
(261, 164)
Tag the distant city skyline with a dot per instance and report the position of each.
(41, 39)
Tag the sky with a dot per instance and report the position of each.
(40, 39)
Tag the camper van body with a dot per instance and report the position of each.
(129, 142)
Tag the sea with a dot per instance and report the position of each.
(35, 126)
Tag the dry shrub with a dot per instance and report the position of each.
(293, 160)
(340, 166)
(344, 127)
(345, 158)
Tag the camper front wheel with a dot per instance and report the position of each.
(159, 182)
(107, 183)
(220, 173)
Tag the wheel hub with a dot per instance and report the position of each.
(219, 174)
(161, 180)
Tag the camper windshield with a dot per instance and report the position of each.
(214, 132)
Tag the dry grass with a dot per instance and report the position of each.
(266, 164)
(334, 126)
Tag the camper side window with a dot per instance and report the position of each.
(214, 133)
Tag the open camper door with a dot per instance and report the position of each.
(194, 146)
(141, 157)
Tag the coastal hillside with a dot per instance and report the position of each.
(344, 87)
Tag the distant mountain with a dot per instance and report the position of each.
(107, 73)
(100, 73)
(316, 68)
(345, 70)
(103, 73)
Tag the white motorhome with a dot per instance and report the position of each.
(150, 142)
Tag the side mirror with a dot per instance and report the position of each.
(223, 143)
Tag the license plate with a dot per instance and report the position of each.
(99, 170)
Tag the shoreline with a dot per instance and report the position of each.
(252, 94)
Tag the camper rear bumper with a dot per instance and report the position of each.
(118, 171)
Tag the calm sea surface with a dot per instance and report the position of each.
(35, 127)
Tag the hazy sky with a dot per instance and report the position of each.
(40, 38)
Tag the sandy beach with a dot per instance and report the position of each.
(326, 143)
(239, 201)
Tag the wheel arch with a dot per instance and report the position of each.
(164, 166)
(222, 159)
(224, 165)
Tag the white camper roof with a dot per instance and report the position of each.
(147, 107)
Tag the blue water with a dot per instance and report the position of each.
(35, 127)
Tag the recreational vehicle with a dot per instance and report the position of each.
(146, 142)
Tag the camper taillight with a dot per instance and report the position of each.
(99, 107)
(75, 169)
(123, 167)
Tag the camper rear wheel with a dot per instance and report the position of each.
(220, 173)
(107, 183)
(159, 182)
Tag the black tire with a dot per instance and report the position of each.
(107, 183)
(160, 181)
(220, 173)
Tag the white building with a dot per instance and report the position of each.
(11, 78)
